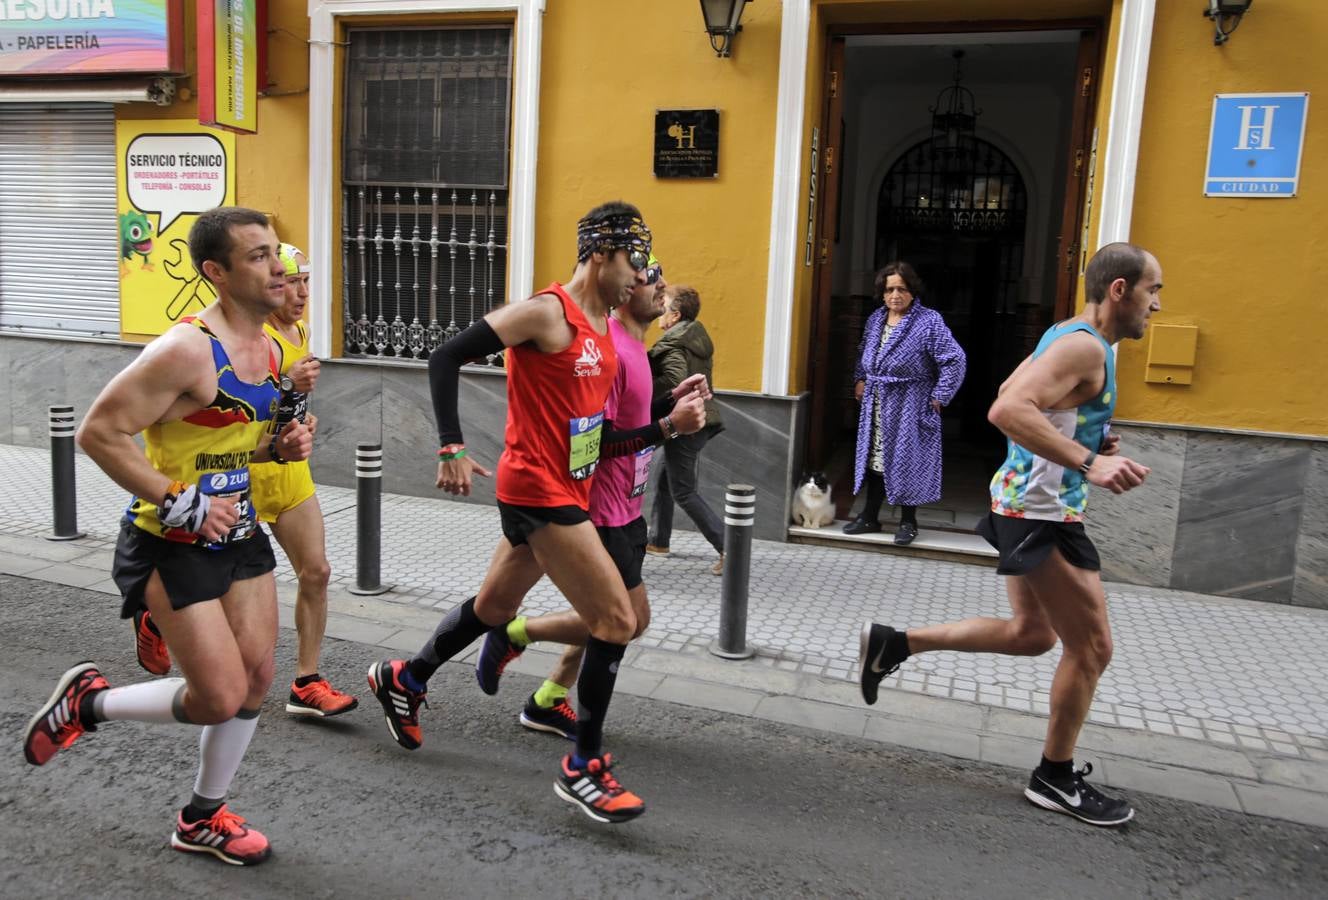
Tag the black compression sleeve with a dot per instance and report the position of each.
(477, 341)
(621, 443)
(662, 406)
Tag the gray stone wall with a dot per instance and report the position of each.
(1230, 514)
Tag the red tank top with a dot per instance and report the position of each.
(555, 415)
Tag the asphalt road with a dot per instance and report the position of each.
(736, 807)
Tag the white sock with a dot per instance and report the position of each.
(160, 702)
(220, 749)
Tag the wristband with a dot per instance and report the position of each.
(1088, 463)
(274, 455)
(670, 430)
(452, 451)
(184, 506)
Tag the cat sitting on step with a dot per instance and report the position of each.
(811, 502)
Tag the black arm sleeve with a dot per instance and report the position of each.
(662, 406)
(622, 443)
(477, 341)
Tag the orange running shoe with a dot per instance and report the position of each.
(224, 835)
(401, 705)
(319, 698)
(148, 643)
(596, 792)
(58, 724)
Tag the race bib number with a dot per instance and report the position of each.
(641, 459)
(233, 486)
(586, 432)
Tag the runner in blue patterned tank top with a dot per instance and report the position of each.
(1056, 411)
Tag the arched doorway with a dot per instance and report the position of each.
(960, 217)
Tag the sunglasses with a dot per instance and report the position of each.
(654, 273)
(637, 259)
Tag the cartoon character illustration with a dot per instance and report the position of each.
(135, 240)
(196, 288)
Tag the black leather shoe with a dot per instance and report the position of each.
(862, 526)
(906, 533)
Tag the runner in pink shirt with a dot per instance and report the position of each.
(632, 430)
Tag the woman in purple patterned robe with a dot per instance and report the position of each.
(909, 366)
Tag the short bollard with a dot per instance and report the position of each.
(368, 519)
(739, 516)
(64, 498)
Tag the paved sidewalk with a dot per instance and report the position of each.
(1207, 699)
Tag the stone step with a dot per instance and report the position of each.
(931, 543)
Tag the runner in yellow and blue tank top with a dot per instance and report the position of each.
(1056, 411)
(283, 496)
(191, 549)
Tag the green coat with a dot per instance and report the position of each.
(683, 350)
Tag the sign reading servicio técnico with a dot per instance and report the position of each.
(1255, 145)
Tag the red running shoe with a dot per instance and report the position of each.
(596, 792)
(401, 705)
(149, 645)
(319, 698)
(57, 724)
(224, 835)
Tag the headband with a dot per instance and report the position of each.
(613, 232)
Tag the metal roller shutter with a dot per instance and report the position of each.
(59, 254)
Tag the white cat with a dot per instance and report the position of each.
(811, 502)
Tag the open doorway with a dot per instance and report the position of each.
(992, 232)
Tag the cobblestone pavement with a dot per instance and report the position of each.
(1228, 672)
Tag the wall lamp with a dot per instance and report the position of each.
(1226, 16)
(721, 21)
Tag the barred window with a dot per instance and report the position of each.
(424, 186)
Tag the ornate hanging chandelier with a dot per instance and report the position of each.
(954, 119)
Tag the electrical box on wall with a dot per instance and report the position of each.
(1171, 352)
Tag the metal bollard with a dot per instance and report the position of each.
(368, 519)
(64, 498)
(739, 516)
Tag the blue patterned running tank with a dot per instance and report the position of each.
(1029, 487)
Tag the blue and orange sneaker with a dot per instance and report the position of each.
(59, 723)
(149, 645)
(224, 835)
(401, 705)
(559, 719)
(595, 791)
(496, 652)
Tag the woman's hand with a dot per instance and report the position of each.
(454, 475)
(858, 390)
(936, 405)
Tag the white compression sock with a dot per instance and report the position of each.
(159, 702)
(220, 750)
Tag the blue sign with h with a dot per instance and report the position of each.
(1255, 145)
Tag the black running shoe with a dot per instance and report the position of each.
(558, 719)
(596, 792)
(874, 659)
(401, 705)
(1078, 798)
(495, 653)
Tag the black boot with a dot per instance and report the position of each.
(862, 525)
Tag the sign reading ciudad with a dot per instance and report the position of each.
(91, 37)
(1255, 145)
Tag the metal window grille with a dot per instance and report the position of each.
(425, 181)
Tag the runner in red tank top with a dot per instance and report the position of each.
(561, 364)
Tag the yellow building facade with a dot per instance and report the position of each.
(1094, 125)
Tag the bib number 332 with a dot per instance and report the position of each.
(234, 486)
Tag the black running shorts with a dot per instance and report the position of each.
(189, 573)
(1024, 544)
(627, 547)
(519, 521)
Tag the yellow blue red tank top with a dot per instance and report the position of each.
(212, 447)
